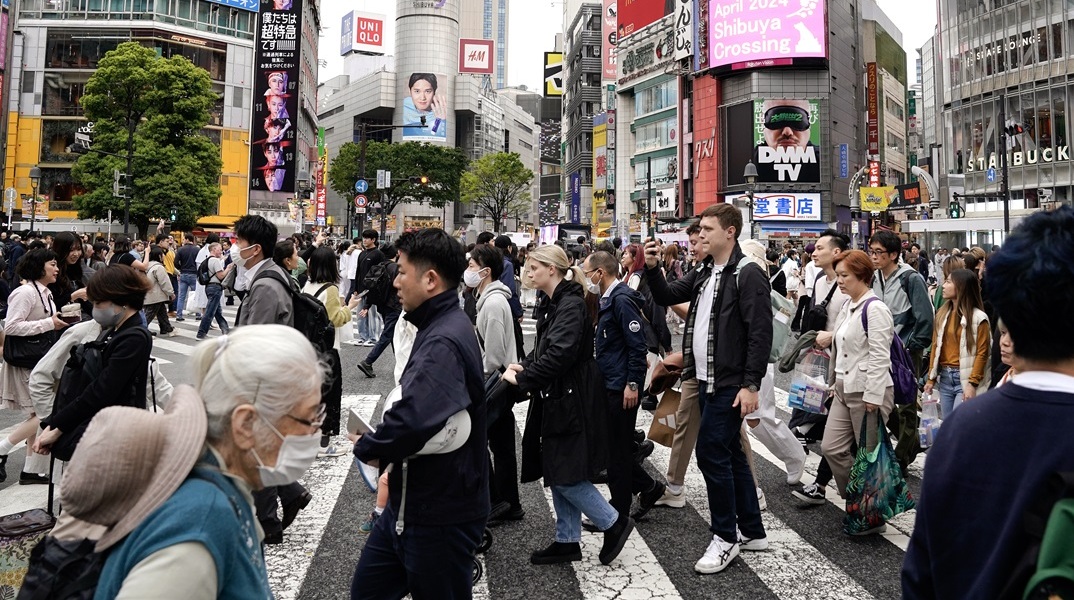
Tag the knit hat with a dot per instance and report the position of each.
(130, 461)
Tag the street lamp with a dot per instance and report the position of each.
(35, 179)
(750, 175)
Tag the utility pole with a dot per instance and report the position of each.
(1004, 186)
(132, 124)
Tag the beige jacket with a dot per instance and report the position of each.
(868, 358)
(162, 286)
(966, 361)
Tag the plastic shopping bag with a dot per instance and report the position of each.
(876, 491)
(809, 386)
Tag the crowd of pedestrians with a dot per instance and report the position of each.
(179, 487)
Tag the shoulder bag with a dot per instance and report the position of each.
(25, 351)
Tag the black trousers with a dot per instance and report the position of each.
(625, 477)
(268, 502)
(332, 394)
(503, 485)
(803, 307)
(158, 311)
(518, 340)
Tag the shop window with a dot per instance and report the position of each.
(56, 139)
(62, 97)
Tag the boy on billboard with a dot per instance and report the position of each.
(786, 154)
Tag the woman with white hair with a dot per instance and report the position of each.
(174, 491)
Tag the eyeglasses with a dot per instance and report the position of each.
(779, 117)
(586, 273)
(316, 422)
(875, 252)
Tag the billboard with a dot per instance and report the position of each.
(684, 29)
(609, 38)
(909, 195)
(346, 34)
(785, 142)
(425, 114)
(368, 32)
(877, 199)
(553, 74)
(785, 206)
(576, 197)
(475, 56)
(768, 34)
(276, 66)
(637, 14)
(872, 108)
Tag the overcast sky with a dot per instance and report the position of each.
(533, 24)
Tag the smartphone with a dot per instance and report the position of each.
(362, 294)
(356, 425)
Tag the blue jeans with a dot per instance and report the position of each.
(187, 282)
(571, 501)
(212, 310)
(427, 561)
(731, 490)
(368, 324)
(949, 387)
(386, 335)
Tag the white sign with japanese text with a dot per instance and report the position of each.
(785, 207)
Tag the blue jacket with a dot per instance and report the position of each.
(508, 278)
(443, 376)
(621, 345)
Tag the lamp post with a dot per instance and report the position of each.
(35, 179)
(750, 175)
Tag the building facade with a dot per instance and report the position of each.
(488, 20)
(582, 96)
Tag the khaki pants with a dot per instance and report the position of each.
(843, 431)
(687, 424)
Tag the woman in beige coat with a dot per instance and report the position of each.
(859, 372)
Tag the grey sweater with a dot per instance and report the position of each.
(495, 328)
(268, 301)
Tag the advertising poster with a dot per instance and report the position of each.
(322, 179)
(746, 34)
(576, 197)
(909, 195)
(553, 74)
(425, 115)
(609, 35)
(276, 66)
(785, 142)
(637, 14)
(877, 199)
(475, 56)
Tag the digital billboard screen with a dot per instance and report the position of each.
(273, 159)
(637, 14)
(785, 141)
(747, 34)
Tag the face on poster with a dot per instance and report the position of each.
(746, 33)
(272, 156)
(425, 99)
(786, 141)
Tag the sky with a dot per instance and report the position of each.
(915, 19)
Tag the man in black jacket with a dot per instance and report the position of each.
(387, 303)
(621, 352)
(726, 345)
(370, 255)
(424, 543)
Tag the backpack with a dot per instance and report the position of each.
(902, 366)
(204, 277)
(782, 313)
(1044, 568)
(378, 281)
(311, 317)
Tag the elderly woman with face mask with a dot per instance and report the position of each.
(169, 496)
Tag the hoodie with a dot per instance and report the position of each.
(906, 295)
(495, 327)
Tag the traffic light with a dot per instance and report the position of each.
(120, 184)
(173, 215)
(1014, 128)
(955, 210)
(420, 180)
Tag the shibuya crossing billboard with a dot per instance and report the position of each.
(749, 34)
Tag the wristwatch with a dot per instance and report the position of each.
(752, 389)
(633, 386)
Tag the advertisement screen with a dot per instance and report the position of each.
(745, 34)
(425, 115)
(785, 142)
(636, 14)
(276, 65)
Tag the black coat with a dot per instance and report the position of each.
(565, 439)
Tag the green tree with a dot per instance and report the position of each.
(498, 183)
(443, 166)
(167, 102)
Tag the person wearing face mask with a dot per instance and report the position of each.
(169, 496)
(495, 333)
(118, 294)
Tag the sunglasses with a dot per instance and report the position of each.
(780, 117)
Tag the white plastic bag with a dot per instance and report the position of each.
(809, 386)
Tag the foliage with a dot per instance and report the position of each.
(499, 183)
(175, 165)
(443, 166)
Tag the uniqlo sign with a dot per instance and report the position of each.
(368, 33)
(475, 56)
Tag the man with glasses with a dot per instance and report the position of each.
(904, 291)
(787, 154)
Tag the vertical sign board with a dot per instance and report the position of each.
(322, 179)
(553, 74)
(701, 36)
(873, 104)
(844, 161)
(346, 34)
(684, 29)
(608, 40)
(276, 67)
(576, 197)
(874, 173)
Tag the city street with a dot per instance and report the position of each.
(810, 557)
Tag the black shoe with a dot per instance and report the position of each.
(557, 553)
(290, 510)
(601, 477)
(643, 450)
(276, 537)
(3, 468)
(639, 436)
(647, 500)
(367, 369)
(514, 513)
(325, 440)
(615, 538)
(32, 478)
(499, 510)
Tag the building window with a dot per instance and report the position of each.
(659, 97)
(655, 135)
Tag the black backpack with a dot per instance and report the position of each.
(378, 282)
(311, 317)
(204, 277)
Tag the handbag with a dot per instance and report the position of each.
(876, 491)
(20, 534)
(25, 351)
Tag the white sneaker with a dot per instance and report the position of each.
(369, 343)
(751, 545)
(795, 471)
(718, 555)
(761, 499)
(332, 451)
(672, 500)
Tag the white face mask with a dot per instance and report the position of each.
(593, 288)
(471, 279)
(236, 255)
(297, 453)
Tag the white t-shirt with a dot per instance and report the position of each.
(215, 265)
(838, 298)
(702, 322)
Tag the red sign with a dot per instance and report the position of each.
(873, 103)
(475, 56)
(636, 14)
(874, 173)
(368, 32)
(361, 201)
